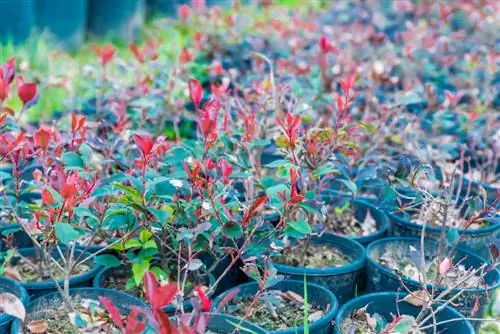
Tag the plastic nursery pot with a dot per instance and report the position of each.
(98, 282)
(37, 289)
(115, 17)
(227, 324)
(361, 208)
(384, 303)
(65, 20)
(316, 295)
(15, 288)
(39, 308)
(17, 24)
(342, 281)
(474, 240)
(381, 278)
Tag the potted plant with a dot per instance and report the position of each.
(394, 311)
(84, 309)
(448, 275)
(286, 306)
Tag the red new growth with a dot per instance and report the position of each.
(8, 71)
(206, 303)
(195, 92)
(106, 54)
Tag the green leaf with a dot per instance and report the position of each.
(138, 271)
(300, 226)
(280, 163)
(195, 264)
(260, 143)
(5, 176)
(350, 185)
(86, 153)
(232, 230)
(108, 260)
(327, 169)
(149, 244)
(309, 208)
(65, 232)
(145, 235)
(72, 160)
(132, 243)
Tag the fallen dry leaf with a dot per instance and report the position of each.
(293, 296)
(315, 316)
(417, 298)
(38, 326)
(11, 305)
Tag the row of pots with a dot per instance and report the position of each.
(68, 21)
(340, 283)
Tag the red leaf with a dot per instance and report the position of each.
(68, 190)
(165, 295)
(47, 198)
(74, 122)
(136, 52)
(256, 206)
(326, 46)
(150, 286)
(184, 12)
(206, 304)
(28, 93)
(8, 70)
(134, 325)
(227, 298)
(4, 89)
(145, 144)
(225, 169)
(113, 312)
(195, 92)
(42, 138)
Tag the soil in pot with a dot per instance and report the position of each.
(54, 317)
(343, 221)
(275, 310)
(121, 279)
(405, 260)
(316, 256)
(28, 270)
(362, 322)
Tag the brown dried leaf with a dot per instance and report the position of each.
(11, 305)
(38, 327)
(315, 316)
(417, 298)
(290, 295)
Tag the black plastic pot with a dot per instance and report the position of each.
(381, 278)
(389, 304)
(65, 20)
(115, 17)
(18, 18)
(316, 295)
(38, 308)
